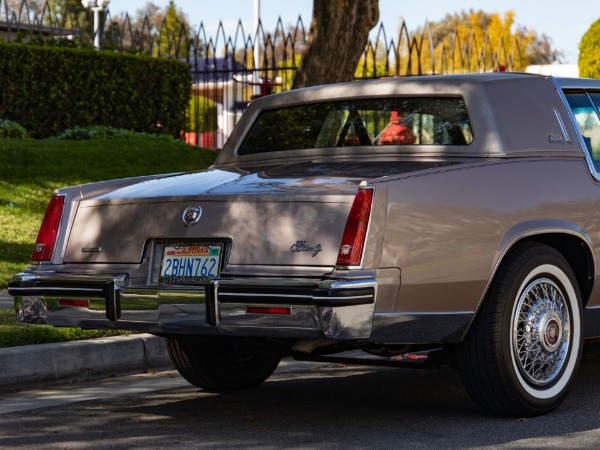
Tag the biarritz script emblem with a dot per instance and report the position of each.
(302, 246)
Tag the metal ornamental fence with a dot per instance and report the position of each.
(229, 69)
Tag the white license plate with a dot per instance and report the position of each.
(190, 263)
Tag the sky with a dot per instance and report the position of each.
(564, 22)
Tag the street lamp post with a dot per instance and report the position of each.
(256, 74)
(96, 6)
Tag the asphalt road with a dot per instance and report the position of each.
(324, 408)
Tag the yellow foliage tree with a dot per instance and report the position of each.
(470, 42)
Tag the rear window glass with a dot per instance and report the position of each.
(367, 122)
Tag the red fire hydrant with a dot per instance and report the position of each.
(396, 133)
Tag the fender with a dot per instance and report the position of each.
(528, 229)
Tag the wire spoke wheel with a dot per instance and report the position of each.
(522, 352)
(541, 330)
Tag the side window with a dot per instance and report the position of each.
(588, 121)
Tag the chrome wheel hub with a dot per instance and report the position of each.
(550, 331)
(540, 332)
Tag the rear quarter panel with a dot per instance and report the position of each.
(447, 230)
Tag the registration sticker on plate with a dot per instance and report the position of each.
(190, 263)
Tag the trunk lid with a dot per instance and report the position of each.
(284, 215)
(269, 220)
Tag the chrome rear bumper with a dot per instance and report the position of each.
(267, 307)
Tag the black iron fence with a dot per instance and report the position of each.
(229, 68)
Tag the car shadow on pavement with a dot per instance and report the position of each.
(408, 406)
(331, 407)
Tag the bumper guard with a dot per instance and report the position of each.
(311, 309)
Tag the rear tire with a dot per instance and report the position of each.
(524, 348)
(217, 366)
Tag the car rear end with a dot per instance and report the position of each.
(269, 262)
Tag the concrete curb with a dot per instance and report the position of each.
(43, 363)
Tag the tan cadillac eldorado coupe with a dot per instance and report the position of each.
(455, 218)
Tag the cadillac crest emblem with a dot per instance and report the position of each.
(191, 215)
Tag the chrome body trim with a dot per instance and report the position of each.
(337, 309)
(330, 309)
(580, 140)
(562, 125)
(575, 83)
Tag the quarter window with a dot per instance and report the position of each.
(588, 121)
(364, 122)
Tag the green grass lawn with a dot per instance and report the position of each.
(31, 169)
(13, 333)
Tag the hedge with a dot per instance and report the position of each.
(589, 52)
(50, 89)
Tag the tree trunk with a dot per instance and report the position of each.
(338, 36)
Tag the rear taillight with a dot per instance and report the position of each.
(355, 233)
(44, 244)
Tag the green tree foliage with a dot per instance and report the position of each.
(70, 14)
(163, 32)
(589, 52)
(372, 62)
(173, 33)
